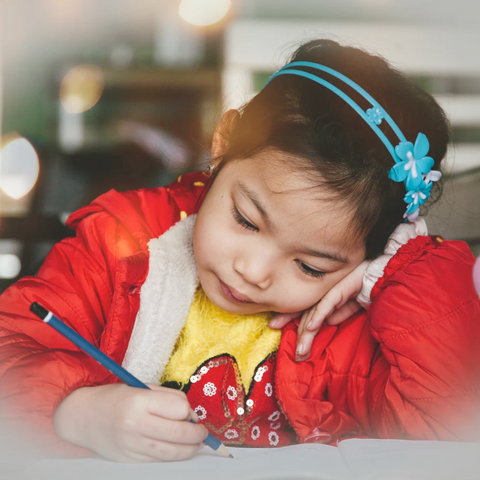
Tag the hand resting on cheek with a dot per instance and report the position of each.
(335, 307)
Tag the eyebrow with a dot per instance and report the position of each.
(255, 200)
(308, 251)
(330, 256)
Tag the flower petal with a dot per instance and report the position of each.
(408, 197)
(411, 208)
(421, 146)
(413, 216)
(425, 164)
(435, 175)
(427, 189)
(413, 183)
(398, 173)
(402, 149)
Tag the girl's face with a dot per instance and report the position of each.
(264, 239)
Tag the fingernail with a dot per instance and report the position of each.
(310, 325)
(299, 349)
(273, 323)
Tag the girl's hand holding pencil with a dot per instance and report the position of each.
(128, 424)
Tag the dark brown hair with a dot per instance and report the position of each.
(321, 133)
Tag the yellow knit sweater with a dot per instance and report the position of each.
(210, 331)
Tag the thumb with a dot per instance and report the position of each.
(194, 416)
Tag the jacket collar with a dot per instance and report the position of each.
(165, 300)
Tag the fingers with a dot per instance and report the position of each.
(173, 431)
(334, 299)
(343, 313)
(152, 450)
(333, 309)
(171, 412)
(169, 403)
(311, 322)
(281, 319)
(166, 433)
(305, 337)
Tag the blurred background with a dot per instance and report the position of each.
(124, 94)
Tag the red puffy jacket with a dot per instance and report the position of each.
(409, 367)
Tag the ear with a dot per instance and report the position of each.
(220, 141)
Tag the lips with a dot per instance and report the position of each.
(233, 294)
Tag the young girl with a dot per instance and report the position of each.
(308, 183)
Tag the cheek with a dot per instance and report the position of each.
(296, 295)
(210, 241)
(202, 244)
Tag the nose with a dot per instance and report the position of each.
(255, 268)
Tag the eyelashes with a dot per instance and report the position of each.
(244, 223)
(309, 271)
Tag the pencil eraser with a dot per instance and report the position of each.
(38, 310)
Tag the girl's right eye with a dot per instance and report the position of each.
(242, 221)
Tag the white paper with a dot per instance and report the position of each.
(296, 462)
(355, 459)
(411, 459)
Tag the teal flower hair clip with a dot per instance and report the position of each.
(412, 165)
(415, 199)
(415, 170)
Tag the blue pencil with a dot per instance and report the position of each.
(108, 363)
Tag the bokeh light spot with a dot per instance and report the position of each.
(204, 12)
(10, 265)
(19, 167)
(81, 88)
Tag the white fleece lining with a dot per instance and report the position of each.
(400, 236)
(165, 300)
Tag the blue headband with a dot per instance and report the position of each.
(412, 166)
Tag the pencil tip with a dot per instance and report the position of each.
(224, 451)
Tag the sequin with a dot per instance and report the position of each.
(273, 438)
(231, 433)
(240, 411)
(255, 432)
(268, 389)
(274, 416)
(259, 374)
(231, 393)
(201, 412)
(250, 402)
(209, 389)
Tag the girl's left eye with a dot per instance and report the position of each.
(242, 221)
(311, 272)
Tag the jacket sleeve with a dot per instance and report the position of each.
(38, 367)
(407, 368)
(425, 314)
